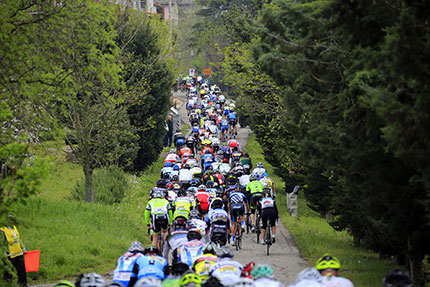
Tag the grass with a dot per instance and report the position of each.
(314, 236)
(76, 237)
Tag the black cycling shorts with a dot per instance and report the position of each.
(255, 200)
(268, 214)
(160, 222)
(232, 123)
(237, 209)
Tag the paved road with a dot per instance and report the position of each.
(284, 256)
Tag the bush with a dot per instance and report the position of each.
(109, 184)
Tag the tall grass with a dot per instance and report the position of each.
(76, 237)
(314, 236)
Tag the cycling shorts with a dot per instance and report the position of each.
(255, 199)
(224, 129)
(237, 209)
(268, 214)
(159, 222)
(232, 122)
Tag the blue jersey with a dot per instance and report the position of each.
(237, 197)
(224, 123)
(207, 157)
(232, 116)
(124, 268)
(150, 266)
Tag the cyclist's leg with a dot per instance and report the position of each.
(264, 219)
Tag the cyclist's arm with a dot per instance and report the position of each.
(147, 216)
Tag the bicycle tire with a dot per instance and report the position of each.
(247, 224)
(268, 239)
(257, 227)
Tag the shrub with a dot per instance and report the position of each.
(110, 185)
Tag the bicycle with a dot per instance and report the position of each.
(257, 224)
(247, 223)
(238, 239)
(268, 237)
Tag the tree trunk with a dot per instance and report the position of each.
(89, 190)
(415, 258)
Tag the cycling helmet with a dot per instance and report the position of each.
(90, 280)
(179, 223)
(194, 214)
(151, 249)
(192, 234)
(252, 177)
(244, 282)
(116, 284)
(212, 282)
(267, 192)
(397, 278)
(176, 167)
(210, 184)
(158, 194)
(194, 182)
(135, 247)
(186, 166)
(262, 271)
(246, 271)
(309, 274)
(210, 248)
(161, 183)
(172, 151)
(181, 193)
(217, 203)
(264, 174)
(202, 187)
(175, 177)
(327, 261)
(148, 282)
(168, 164)
(260, 164)
(224, 251)
(190, 279)
(64, 283)
(179, 268)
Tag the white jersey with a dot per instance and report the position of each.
(307, 283)
(174, 241)
(335, 281)
(267, 202)
(185, 175)
(266, 282)
(227, 271)
(198, 225)
(224, 168)
(189, 251)
(244, 180)
(258, 171)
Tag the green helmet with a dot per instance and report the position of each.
(327, 261)
(262, 271)
(190, 279)
(64, 283)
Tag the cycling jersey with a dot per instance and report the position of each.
(244, 180)
(267, 282)
(174, 240)
(203, 198)
(336, 281)
(203, 263)
(258, 171)
(227, 271)
(224, 168)
(158, 209)
(189, 251)
(267, 202)
(150, 266)
(237, 197)
(124, 268)
(182, 203)
(185, 175)
(198, 225)
(254, 187)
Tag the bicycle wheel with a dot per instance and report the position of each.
(247, 224)
(257, 228)
(268, 238)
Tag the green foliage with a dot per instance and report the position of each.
(110, 185)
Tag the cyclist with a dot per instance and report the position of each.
(226, 269)
(236, 155)
(328, 266)
(268, 183)
(308, 277)
(203, 198)
(177, 236)
(269, 212)
(254, 191)
(262, 275)
(246, 162)
(90, 280)
(223, 124)
(178, 139)
(183, 203)
(207, 159)
(236, 205)
(232, 120)
(259, 170)
(190, 250)
(150, 265)
(203, 263)
(195, 223)
(124, 268)
(218, 222)
(158, 215)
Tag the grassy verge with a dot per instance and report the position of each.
(76, 237)
(314, 236)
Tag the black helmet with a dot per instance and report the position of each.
(151, 249)
(161, 183)
(193, 235)
(217, 203)
(179, 268)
